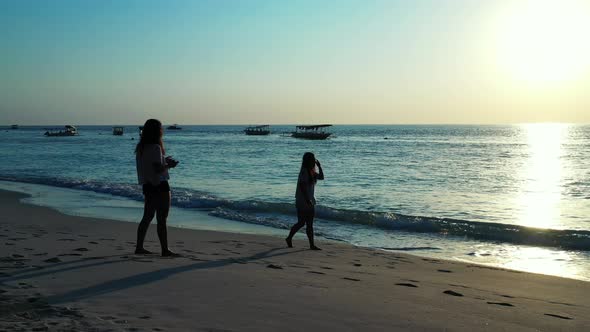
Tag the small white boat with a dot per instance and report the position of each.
(257, 130)
(174, 127)
(118, 131)
(67, 131)
(312, 132)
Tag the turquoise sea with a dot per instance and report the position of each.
(513, 196)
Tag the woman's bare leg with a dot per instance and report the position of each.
(300, 223)
(309, 232)
(162, 218)
(149, 210)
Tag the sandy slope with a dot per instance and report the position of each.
(59, 272)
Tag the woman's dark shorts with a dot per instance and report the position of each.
(149, 188)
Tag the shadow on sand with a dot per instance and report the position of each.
(153, 276)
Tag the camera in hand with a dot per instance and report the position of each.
(171, 161)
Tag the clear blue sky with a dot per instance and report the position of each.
(107, 61)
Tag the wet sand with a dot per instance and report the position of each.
(66, 273)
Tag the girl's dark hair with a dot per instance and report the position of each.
(150, 134)
(308, 163)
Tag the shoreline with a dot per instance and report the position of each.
(91, 204)
(80, 272)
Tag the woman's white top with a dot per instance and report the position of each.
(146, 172)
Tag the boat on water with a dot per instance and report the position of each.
(312, 132)
(67, 131)
(118, 131)
(14, 127)
(174, 127)
(257, 130)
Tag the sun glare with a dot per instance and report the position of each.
(541, 190)
(544, 41)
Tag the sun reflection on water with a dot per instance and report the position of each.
(540, 194)
(542, 260)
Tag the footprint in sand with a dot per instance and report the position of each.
(445, 271)
(434, 261)
(93, 242)
(9, 243)
(562, 303)
(61, 255)
(351, 279)
(143, 260)
(53, 260)
(206, 260)
(67, 240)
(406, 285)
(315, 272)
(504, 304)
(145, 317)
(81, 249)
(357, 264)
(326, 268)
(24, 285)
(298, 266)
(94, 257)
(558, 316)
(273, 266)
(450, 292)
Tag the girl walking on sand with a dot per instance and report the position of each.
(304, 198)
(152, 174)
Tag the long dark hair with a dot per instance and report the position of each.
(150, 134)
(308, 163)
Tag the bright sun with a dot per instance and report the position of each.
(545, 41)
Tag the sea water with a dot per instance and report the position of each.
(512, 196)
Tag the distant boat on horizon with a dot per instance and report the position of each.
(315, 132)
(14, 127)
(260, 130)
(118, 130)
(68, 130)
(174, 127)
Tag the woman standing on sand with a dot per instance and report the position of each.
(152, 174)
(304, 198)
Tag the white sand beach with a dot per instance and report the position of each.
(66, 273)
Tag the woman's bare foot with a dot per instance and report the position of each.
(314, 248)
(289, 242)
(141, 251)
